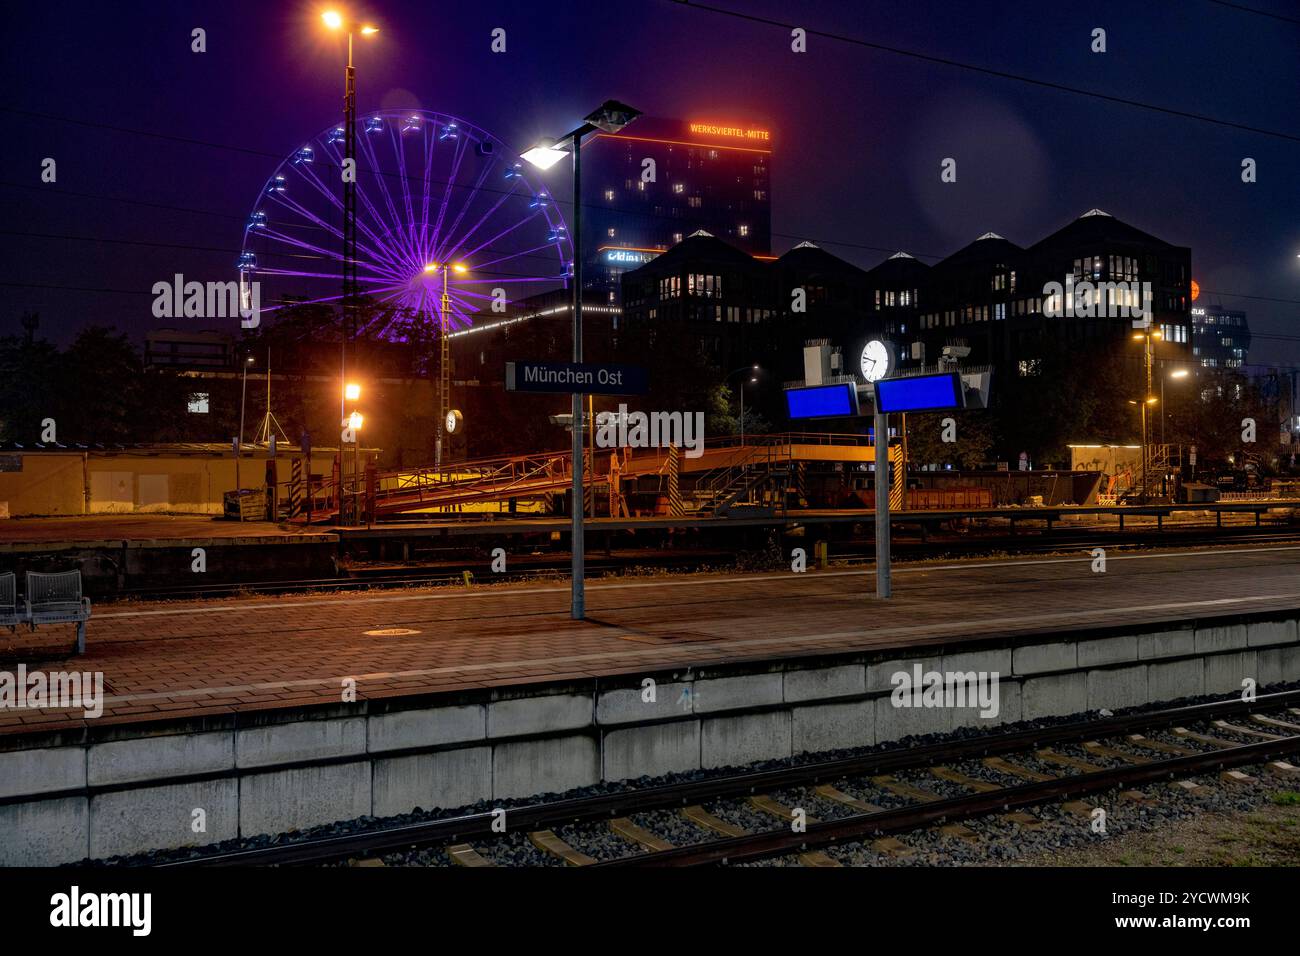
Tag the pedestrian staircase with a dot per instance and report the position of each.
(1162, 460)
(760, 478)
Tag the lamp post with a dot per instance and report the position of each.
(243, 397)
(1145, 336)
(1176, 373)
(753, 379)
(444, 352)
(351, 424)
(239, 445)
(335, 21)
(355, 421)
(610, 118)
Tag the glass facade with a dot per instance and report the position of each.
(659, 180)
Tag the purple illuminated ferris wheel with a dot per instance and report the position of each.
(431, 189)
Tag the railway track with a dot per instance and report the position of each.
(801, 811)
(687, 560)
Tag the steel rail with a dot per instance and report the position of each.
(774, 842)
(600, 806)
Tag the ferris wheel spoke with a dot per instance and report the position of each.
(311, 217)
(383, 249)
(321, 252)
(378, 251)
(446, 195)
(302, 244)
(380, 178)
(430, 151)
(400, 143)
(460, 216)
(520, 254)
(447, 206)
(321, 188)
(502, 234)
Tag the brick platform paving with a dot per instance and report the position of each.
(110, 530)
(192, 658)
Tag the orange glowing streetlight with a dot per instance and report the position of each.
(335, 20)
(445, 414)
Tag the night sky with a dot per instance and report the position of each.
(858, 133)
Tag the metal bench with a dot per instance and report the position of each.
(56, 599)
(12, 611)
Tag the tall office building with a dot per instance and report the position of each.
(660, 180)
(1220, 337)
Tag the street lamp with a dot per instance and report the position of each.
(351, 424)
(239, 445)
(1176, 373)
(752, 381)
(334, 20)
(1164, 472)
(243, 397)
(1145, 336)
(444, 351)
(610, 118)
(355, 421)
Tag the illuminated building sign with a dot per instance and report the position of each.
(734, 132)
(632, 257)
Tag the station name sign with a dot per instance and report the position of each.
(582, 377)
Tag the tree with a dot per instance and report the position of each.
(101, 397)
(29, 385)
(972, 433)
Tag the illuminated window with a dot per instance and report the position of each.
(609, 195)
(1028, 367)
(743, 230)
(198, 403)
(677, 237)
(693, 202)
(610, 231)
(708, 286)
(678, 188)
(760, 194)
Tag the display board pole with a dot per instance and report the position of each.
(883, 587)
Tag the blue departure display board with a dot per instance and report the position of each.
(920, 393)
(822, 401)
